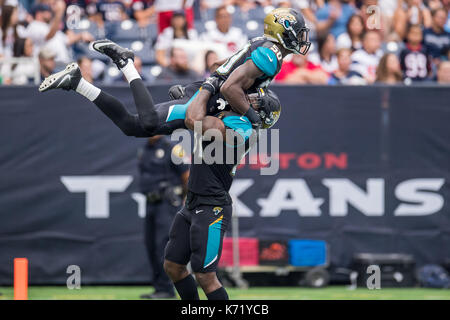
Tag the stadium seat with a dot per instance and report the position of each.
(143, 49)
(254, 29)
(82, 49)
(209, 14)
(88, 26)
(148, 76)
(126, 30)
(239, 17)
(150, 32)
(112, 74)
(257, 14)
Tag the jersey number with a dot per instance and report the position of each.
(225, 68)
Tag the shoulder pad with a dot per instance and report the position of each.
(266, 60)
(238, 123)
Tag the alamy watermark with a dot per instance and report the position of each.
(74, 280)
(373, 21)
(374, 280)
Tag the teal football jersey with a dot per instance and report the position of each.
(264, 54)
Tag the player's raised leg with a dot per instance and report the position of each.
(123, 59)
(71, 79)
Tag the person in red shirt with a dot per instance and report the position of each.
(301, 71)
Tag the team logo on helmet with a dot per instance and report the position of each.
(287, 27)
(285, 19)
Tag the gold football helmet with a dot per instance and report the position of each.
(287, 27)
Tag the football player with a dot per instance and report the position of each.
(198, 229)
(255, 65)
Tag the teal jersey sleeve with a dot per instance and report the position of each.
(266, 60)
(240, 124)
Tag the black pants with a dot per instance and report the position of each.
(151, 119)
(197, 235)
(158, 220)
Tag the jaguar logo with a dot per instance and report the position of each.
(217, 210)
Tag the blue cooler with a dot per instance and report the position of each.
(307, 253)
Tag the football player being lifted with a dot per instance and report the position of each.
(234, 97)
(252, 67)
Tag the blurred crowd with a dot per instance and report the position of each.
(354, 41)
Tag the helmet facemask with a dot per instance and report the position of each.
(298, 39)
(295, 36)
(266, 106)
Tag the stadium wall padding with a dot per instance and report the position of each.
(365, 168)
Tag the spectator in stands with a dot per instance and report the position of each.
(353, 37)
(308, 9)
(301, 71)
(45, 31)
(165, 10)
(414, 60)
(344, 75)
(246, 5)
(443, 73)
(365, 60)
(85, 65)
(333, 17)
(388, 70)
(23, 72)
(178, 69)
(142, 11)
(410, 12)
(326, 55)
(232, 37)
(8, 20)
(177, 30)
(436, 39)
(210, 58)
(387, 9)
(46, 62)
(112, 10)
(434, 4)
(93, 14)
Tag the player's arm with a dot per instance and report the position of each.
(196, 111)
(233, 88)
(218, 64)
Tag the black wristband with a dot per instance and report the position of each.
(253, 116)
(208, 87)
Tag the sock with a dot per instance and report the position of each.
(130, 71)
(187, 288)
(218, 294)
(88, 90)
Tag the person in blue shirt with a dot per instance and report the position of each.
(436, 39)
(333, 17)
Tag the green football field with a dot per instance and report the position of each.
(256, 293)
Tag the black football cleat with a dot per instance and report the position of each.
(117, 54)
(66, 79)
